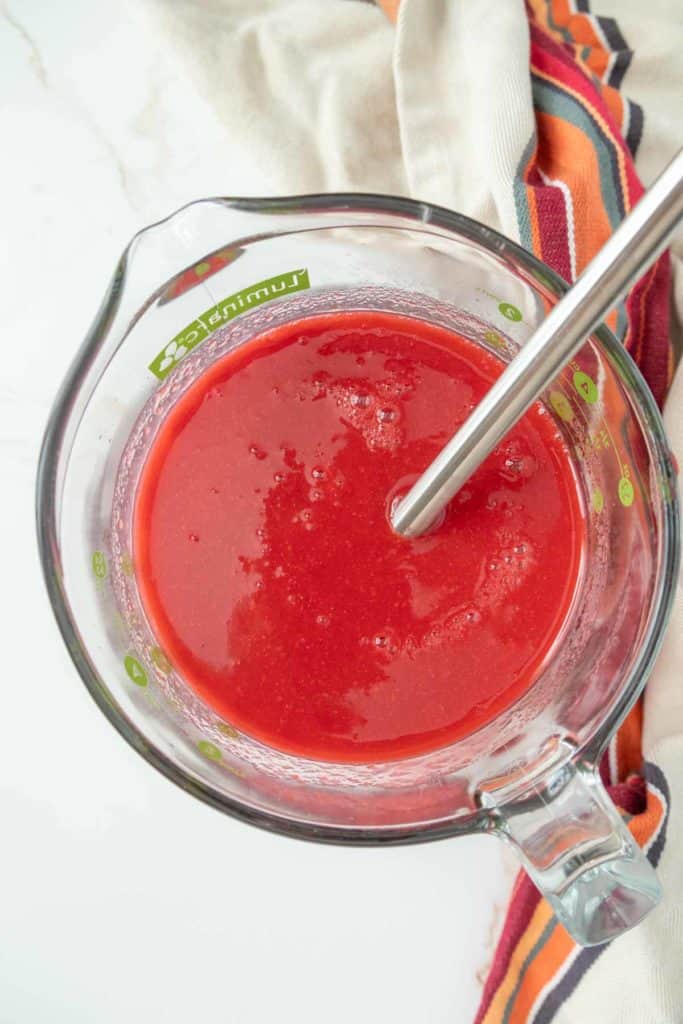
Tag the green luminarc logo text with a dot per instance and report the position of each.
(226, 309)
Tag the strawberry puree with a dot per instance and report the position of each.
(268, 568)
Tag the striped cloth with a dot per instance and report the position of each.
(574, 184)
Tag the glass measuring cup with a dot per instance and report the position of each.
(209, 278)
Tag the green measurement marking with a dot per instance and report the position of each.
(209, 750)
(562, 406)
(494, 339)
(160, 660)
(135, 671)
(597, 500)
(626, 492)
(228, 730)
(586, 387)
(99, 565)
(509, 311)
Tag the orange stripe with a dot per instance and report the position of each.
(539, 921)
(611, 320)
(596, 60)
(537, 8)
(614, 103)
(596, 63)
(539, 11)
(390, 8)
(629, 751)
(565, 152)
(543, 968)
(582, 29)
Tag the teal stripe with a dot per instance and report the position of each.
(622, 322)
(519, 190)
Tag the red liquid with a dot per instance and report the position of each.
(271, 576)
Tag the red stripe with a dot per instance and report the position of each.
(552, 215)
(648, 339)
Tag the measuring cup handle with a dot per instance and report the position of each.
(576, 848)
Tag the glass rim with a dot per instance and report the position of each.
(47, 501)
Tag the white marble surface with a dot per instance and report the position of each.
(122, 899)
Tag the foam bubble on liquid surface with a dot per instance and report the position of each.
(374, 411)
(516, 464)
(506, 568)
